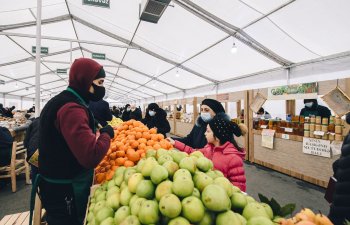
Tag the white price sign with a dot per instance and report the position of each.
(317, 147)
(289, 130)
(263, 126)
(285, 136)
(320, 133)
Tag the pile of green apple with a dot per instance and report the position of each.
(172, 187)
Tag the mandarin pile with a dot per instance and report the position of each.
(131, 142)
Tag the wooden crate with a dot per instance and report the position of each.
(92, 190)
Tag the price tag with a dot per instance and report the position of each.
(263, 126)
(285, 136)
(320, 133)
(289, 130)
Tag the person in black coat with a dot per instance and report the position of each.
(31, 143)
(340, 208)
(101, 111)
(135, 113)
(126, 113)
(196, 138)
(2, 110)
(313, 108)
(156, 118)
(6, 141)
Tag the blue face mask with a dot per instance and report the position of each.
(152, 113)
(309, 104)
(206, 117)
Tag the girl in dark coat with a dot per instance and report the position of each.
(196, 138)
(156, 118)
(340, 208)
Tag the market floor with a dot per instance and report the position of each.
(283, 188)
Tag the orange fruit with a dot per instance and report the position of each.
(100, 177)
(114, 168)
(156, 146)
(113, 155)
(150, 142)
(135, 144)
(142, 146)
(154, 137)
(120, 153)
(138, 135)
(129, 163)
(142, 140)
(125, 127)
(112, 163)
(133, 156)
(160, 137)
(109, 175)
(143, 155)
(153, 131)
(131, 137)
(120, 161)
(146, 135)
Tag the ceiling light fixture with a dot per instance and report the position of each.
(177, 72)
(234, 47)
(16, 85)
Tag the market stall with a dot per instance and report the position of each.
(186, 117)
(301, 147)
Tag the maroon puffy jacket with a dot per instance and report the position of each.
(225, 158)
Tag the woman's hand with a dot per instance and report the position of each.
(171, 140)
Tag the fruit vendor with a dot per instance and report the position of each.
(156, 118)
(196, 138)
(312, 108)
(69, 148)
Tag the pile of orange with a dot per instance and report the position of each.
(131, 142)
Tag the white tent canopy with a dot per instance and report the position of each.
(187, 53)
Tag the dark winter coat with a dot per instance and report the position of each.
(225, 158)
(136, 114)
(340, 209)
(158, 121)
(317, 110)
(6, 141)
(196, 138)
(31, 141)
(101, 111)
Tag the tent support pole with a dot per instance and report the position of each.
(70, 53)
(37, 56)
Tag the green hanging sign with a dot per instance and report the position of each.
(98, 3)
(61, 71)
(44, 50)
(98, 56)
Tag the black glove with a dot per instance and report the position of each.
(107, 129)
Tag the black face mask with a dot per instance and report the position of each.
(99, 93)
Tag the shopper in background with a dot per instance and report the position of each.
(31, 143)
(340, 207)
(222, 149)
(263, 114)
(101, 111)
(126, 113)
(312, 108)
(6, 142)
(196, 138)
(115, 111)
(135, 113)
(31, 110)
(69, 148)
(2, 110)
(156, 118)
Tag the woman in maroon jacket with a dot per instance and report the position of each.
(69, 148)
(222, 149)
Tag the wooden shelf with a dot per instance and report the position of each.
(279, 135)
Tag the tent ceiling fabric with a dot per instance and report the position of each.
(188, 49)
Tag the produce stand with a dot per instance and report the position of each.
(287, 154)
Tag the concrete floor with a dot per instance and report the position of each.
(283, 188)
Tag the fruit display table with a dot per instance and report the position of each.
(287, 157)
